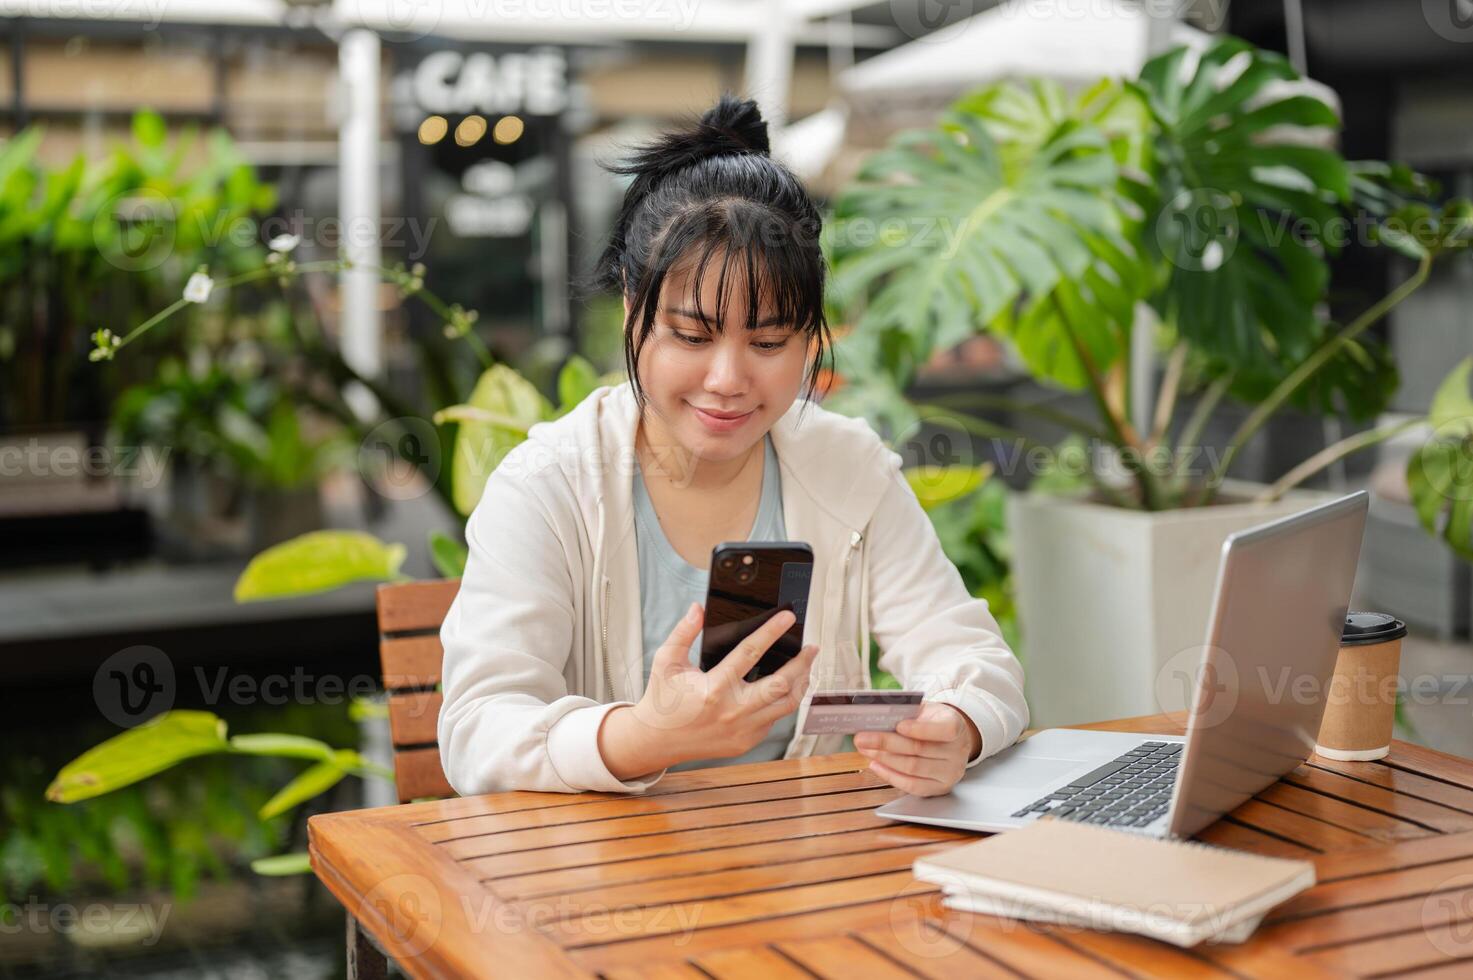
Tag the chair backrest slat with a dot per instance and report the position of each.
(409, 618)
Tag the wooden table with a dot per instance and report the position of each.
(781, 869)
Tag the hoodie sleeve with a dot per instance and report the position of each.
(508, 721)
(933, 635)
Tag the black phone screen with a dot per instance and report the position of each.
(750, 582)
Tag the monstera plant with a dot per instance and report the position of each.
(1184, 209)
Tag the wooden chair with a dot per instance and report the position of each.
(409, 618)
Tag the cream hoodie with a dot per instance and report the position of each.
(544, 637)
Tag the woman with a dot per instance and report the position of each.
(571, 649)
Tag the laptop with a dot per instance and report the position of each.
(1283, 589)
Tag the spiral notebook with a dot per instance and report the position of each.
(1089, 876)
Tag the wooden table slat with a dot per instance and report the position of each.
(1297, 827)
(626, 828)
(621, 808)
(726, 883)
(681, 917)
(1139, 955)
(837, 956)
(1025, 947)
(750, 961)
(1401, 782)
(1434, 816)
(1342, 814)
(932, 952)
(686, 841)
(770, 854)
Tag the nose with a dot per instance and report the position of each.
(726, 375)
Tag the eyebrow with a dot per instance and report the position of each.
(772, 321)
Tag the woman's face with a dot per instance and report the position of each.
(718, 387)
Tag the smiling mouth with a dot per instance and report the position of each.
(724, 416)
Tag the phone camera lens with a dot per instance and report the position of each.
(728, 563)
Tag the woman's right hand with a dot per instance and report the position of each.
(687, 713)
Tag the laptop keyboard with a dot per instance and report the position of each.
(1131, 790)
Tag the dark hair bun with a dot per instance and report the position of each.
(731, 126)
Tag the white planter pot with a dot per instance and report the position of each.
(1107, 597)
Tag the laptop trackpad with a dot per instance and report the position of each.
(1014, 770)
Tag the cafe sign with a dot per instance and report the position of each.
(533, 82)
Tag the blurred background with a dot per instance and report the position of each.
(250, 249)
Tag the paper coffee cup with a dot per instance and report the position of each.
(1360, 709)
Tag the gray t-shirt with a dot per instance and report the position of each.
(668, 584)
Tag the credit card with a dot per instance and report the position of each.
(847, 712)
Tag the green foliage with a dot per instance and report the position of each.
(177, 736)
(946, 234)
(447, 554)
(501, 408)
(138, 753)
(972, 529)
(1047, 220)
(237, 423)
(167, 832)
(318, 562)
(91, 242)
(938, 485)
(1440, 474)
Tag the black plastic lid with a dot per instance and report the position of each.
(1362, 628)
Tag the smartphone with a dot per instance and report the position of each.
(750, 582)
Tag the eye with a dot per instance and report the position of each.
(690, 339)
(770, 346)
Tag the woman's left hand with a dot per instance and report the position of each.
(925, 755)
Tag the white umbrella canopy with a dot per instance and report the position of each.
(1075, 42)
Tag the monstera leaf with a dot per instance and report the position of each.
(1242, 218)
(947, 232)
